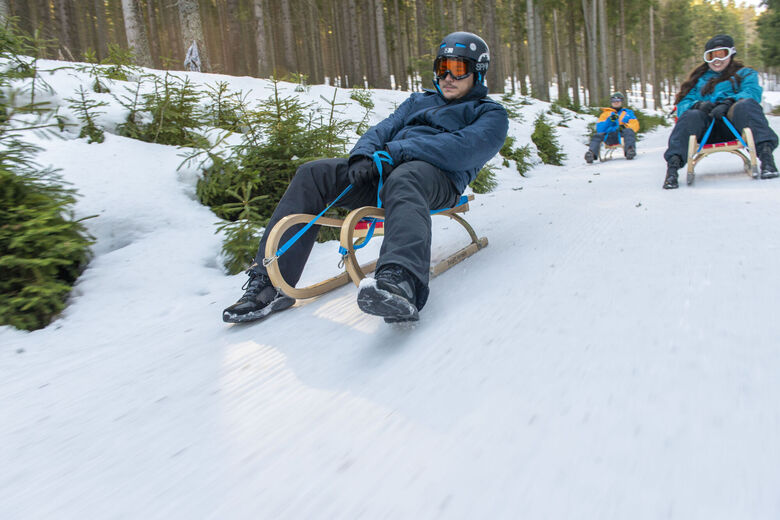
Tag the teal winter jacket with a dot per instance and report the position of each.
(744, 87)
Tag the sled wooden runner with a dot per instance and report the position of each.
(353, 230)
(744, 149)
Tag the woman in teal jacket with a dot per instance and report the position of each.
(721, 86)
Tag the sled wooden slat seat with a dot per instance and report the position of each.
(354, 228)
(747, 154)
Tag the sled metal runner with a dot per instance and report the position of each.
(606, 152)
(743, 147)
(353, 231)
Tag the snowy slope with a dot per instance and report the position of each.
(612, 354)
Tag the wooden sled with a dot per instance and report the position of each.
(605, 154)
(744, 148)
(354, 228)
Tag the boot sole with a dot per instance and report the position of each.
(769, 175)
(279, 304)
(390, 306)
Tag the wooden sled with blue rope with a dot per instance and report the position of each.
(743, 146)
(357, 228)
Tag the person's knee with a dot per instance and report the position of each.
(743, 106)
(693, 114)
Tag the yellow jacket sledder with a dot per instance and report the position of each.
(617, 126)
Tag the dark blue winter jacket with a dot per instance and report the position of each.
(458, 136)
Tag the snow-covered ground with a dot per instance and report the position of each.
(612, 354)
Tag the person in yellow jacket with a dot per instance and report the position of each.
(615, 123)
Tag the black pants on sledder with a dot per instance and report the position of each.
(743, 113)
(408, 195)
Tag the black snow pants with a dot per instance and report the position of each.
(743, 113)
(628, 135)
(408, 195)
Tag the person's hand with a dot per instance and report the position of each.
(721, 108)
(704, 106)
(361, 171)
(613, 117)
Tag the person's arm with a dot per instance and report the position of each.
(629, 120)
(466, 149)
(749, 87)
(688, 101)
(378, 135)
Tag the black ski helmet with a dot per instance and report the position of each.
(468, 46)
(618, 95)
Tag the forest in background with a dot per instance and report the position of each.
(585, 48)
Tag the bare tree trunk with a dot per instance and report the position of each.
(494, 76)
(422, 26)
(400, 78)
(264, 44)
(543, 52)
(453, 17)
(383, 79)
(136, 33)
(603, 46)
(653, 65)
(642, 77)
(591, 19)
(235, 50)
(100, 19)
(288, 40)
(155, 43)
(622, 47)
(424, 58)
(358, 58)
(192, 30)
(563, 89)
(530, 20)
(468, 12)
(573, 54)
(63, 18)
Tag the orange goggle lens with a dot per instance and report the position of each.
(458, 68)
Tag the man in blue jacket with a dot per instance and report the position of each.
(437, 141)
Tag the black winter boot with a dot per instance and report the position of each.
(589, 157)
(673, 164)
(260, 299)
(390, 294)
(630, 152)
(765, 155)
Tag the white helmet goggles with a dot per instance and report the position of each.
(719, 54)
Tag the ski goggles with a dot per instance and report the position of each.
(458, 68)
(719, 54)
(616, 99)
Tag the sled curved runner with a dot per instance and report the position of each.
(744, 148)
(353, 231)
(606, 152)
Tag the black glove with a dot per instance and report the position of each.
(704, 106)
(614, 117)
(361, 171)
(721, 108)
